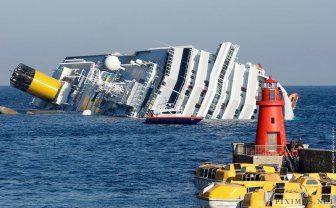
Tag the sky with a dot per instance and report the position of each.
(294, 40)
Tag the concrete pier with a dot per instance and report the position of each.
(242, 153)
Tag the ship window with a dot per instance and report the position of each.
(142, 81)
(253, 189)
(223, 106)
(279, 191)
(272, 120)
(326, 189)
(205, 173)
(272, 94)
(280, 185)
(312, 182)
(326, 198)
(206, 83)
(211, 172)
(202, 172)
(241, 108)
(237, 167)
(214, 173)
(279, 194)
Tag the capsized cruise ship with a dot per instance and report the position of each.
(196, 82)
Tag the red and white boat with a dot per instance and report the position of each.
(170, 116)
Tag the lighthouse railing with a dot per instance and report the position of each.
(272, 97)
(270, 150)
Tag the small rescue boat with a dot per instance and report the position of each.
(171, 117)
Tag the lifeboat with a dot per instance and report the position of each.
(170, 116)
(320, 188)
(324, 197)
(255, 186)
(256, 181)
(283, 195)
(208, 173)
(221, 195)
(231, 194)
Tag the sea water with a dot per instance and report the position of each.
(70, 160)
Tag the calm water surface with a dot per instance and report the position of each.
(68, 160)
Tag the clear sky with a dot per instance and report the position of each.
(295, 40)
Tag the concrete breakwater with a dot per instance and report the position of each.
(309, 160)
(316, 160)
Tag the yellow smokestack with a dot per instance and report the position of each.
(35, 83)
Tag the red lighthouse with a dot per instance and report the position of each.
(271, 135)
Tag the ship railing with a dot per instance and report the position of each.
(267, 150)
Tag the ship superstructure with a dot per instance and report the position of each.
(196, 82)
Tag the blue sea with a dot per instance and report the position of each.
(69, 160)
